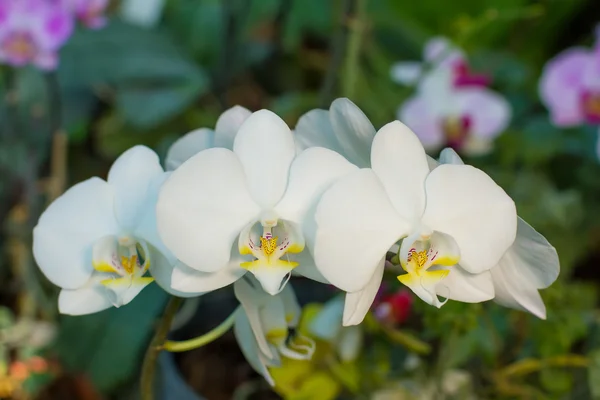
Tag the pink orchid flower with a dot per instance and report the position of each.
(452, 106)
(570, 87)
(32, 32)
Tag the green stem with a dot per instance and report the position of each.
(205, 339)
(149, 365)
(357, 29)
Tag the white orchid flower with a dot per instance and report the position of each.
(262, 329)
(455, 222)
(327, 325)
(531, 263)
(99, 238)
(233, 211)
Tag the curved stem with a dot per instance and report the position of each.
(200, 341)
(357, 31)
(149, 365)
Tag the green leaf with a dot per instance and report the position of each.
(108, 346)
(143, 66)
(594, 374)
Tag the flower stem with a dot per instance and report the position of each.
(200, 341)
(149, 365)
(356, 26)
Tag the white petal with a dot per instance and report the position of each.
(265, 147)
(449, 156)
(461, 285)
(243, 334)
(314, 129)
(307, 267)
(353, 130)
(86, 300)
(432, 162)
(327, 324)
(188, 146)
(253, 298)
(537, 260)
(202, 208)
(398, 159)
(131, 176)
(349, 344)
(188, 280)
(513, 288)
(358, 303)
(313, 171)
(147, 228)
(161, 270)
(468, 205)
(228, 126)
(406, 73)
(356, 225)
(123, 290)
(67, 230)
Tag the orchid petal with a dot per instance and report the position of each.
(490, 113)
(245, 337)
(461, 285)
(538, 260)
(406, 73)
(291, 306)
(131, 176)
(314, 129)
(202, 208)
(353, 130)
(189, 145)
(424, 285)
(512, 287)
(398, 159)
(561, 85)
(356, 225)
(265, 147)
(449, 156)
(306, 267)
(358, 303)
(67, 230)
(228, 125)
(193, 282)
(253, 298)
(82, 301)
(311, 173)
(465, 203)
(327, 323)
(122, 291)
(417, 113)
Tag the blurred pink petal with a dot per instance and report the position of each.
(440, 51)
(419, 115)
(562, 86)
(489, 113)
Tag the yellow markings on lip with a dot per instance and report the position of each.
(268, 244)
(103, 267)
(126, 281)
(249, 265)
(423, 278)
(276, 335)
(129, 263)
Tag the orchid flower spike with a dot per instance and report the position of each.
(263, 329)
(232, 211)
(98, 240)
(531, 263)
(455, 224)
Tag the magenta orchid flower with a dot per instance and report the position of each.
(32, 32)
(452, 106)
(570, 87)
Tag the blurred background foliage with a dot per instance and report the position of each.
(127, 84)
